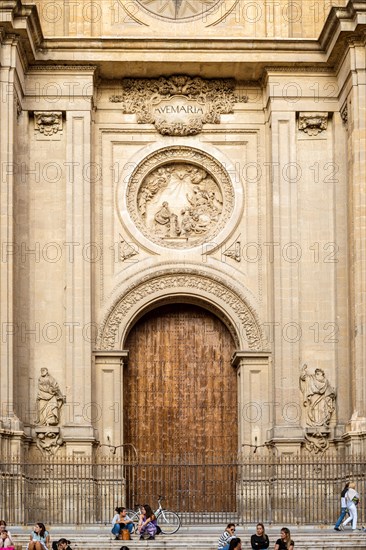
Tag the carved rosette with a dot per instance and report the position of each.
(313, 123)
(48, 123)
(177, 105)
(187, 283)
(178, 197)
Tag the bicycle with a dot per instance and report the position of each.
(168, 521)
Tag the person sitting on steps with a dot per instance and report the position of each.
(147, 523)
(121, 521)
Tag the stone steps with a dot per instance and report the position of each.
(317, 539)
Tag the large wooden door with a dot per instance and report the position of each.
(180, 400)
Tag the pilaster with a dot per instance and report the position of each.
(108, 398)
(8, 57)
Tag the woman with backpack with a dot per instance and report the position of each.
(352, 499)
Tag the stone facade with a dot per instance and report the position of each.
(207, 151)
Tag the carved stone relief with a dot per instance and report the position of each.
(319, 404)
(177, 105)
(159, 285)
(179, 196)
(48, 124)
(48, 440)
(313, 123)
(126, 250)
(234, 251)
(344, 115)
(177, 10)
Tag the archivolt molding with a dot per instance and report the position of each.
(182, 284)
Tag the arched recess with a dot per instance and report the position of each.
(178, 286)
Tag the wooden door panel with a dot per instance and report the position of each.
(180, 391)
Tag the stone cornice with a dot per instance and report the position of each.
(239, 58)
(21, 18)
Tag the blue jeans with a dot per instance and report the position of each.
(341, 517)
(116, 529)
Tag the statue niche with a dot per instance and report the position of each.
(179, 202)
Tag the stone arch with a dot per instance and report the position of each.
(210, 292)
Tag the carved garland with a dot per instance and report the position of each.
(111, 327)
(176, 154)
(139, 95)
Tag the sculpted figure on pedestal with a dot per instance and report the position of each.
(319, 397)
(319, 402)
(49, 400)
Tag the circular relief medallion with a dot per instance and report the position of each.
(178, 10)
(180, 197)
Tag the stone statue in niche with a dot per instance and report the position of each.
(319, 402)
(49, 400)
(179, 201)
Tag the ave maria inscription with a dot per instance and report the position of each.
(178, 105)
(178, 116)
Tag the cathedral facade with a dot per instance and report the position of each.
(183, 229)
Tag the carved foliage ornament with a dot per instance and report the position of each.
(313, 123)
(180, 196)
(48, 123)
(115, 323)
(177, 105)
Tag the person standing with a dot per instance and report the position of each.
(344, 508)
(352, 499)
(260, 539)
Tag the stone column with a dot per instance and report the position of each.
(108, 398)
(8, 56)
(354, 115)
(254, 402)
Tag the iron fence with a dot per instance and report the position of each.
(274, 489)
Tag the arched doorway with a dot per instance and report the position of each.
(180, 409)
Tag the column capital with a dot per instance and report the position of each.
(253, 355)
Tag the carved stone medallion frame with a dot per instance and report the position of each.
(178, 285)
(179, 197)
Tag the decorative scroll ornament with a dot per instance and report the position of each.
(234, 251)
(179, 196)
(126, 250)
(177, 105)
(319, 403)
(313, 123)
(344, 115)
